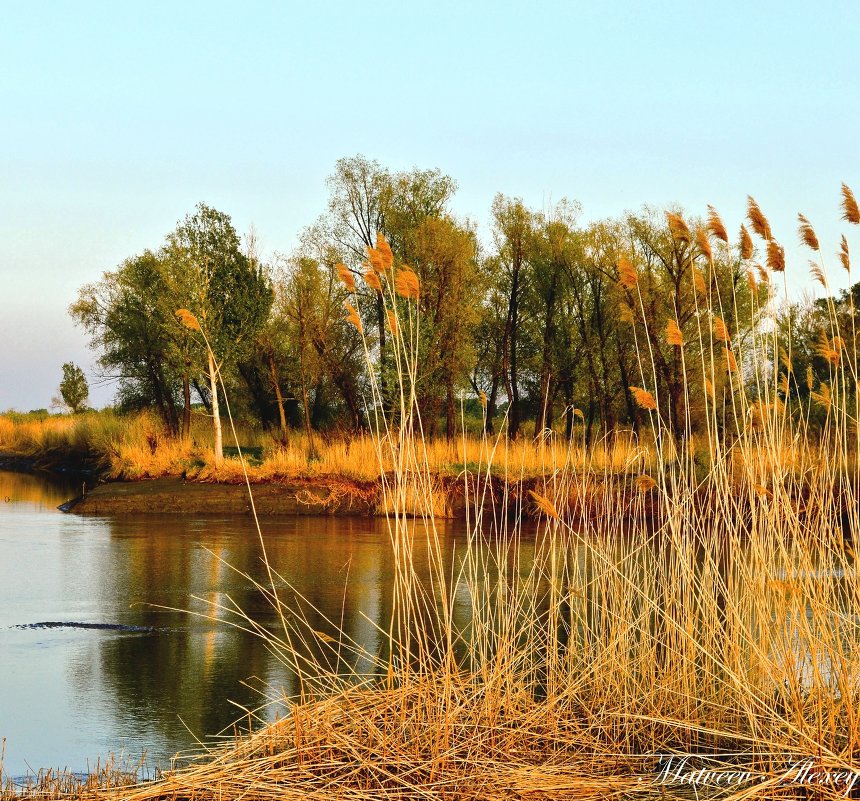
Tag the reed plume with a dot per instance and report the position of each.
(352, 317)
(850, 209)
(843, 254)
(544, 504)
(775, 256)
(188, 319)
(384, 251)
(375, 260)
(644, 399)
(371, 278)
(645, 483)
(679, 228)
(627, 275)
(715, 225)
(721, 332)
(817, 273)
(823, 397)
(828, 349)
(731, 362)
(807, 233)
(704, 244)
(757, 219)
(406, 283)
(745, 244)
(673, 334)
(346, 277)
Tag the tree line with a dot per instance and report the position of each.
(550, 324)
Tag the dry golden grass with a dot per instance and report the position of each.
(136, 446)
(718, 617)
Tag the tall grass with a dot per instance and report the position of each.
(726, 626)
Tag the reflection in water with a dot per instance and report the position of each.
(159, 677)
(71, 694)
(24, 492)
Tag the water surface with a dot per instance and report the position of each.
(116, 672)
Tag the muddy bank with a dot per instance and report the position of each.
(177, 496)
(332, 495)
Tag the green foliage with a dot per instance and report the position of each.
(130, 314)
(536, 323)
(74, 389)
(207, 273)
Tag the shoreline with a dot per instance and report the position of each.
(315, 495)
(336, 495)
(327, 495)
(333, 496)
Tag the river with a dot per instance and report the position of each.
(130, 664)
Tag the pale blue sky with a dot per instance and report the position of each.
(116, 118)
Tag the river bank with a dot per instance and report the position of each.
(321, 495)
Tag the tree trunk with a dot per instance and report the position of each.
(380, 324)
(163, 398)
(186, 405)
(279, 398)
(492, 401)
(546, 364)
(632, 409)
(216, 414)
(202, 394)
(569, 415)
(514, 414)
(450, 411)
(309, 432)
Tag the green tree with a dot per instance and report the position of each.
(366, 201)
(229, 294)
(554, 250)
(513, 226)
(444, 256)
(300, 306)
(124, 314)
(73, 388)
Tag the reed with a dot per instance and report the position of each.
(718, 617)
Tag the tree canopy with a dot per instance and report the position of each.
(548, 323)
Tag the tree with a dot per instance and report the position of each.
(228, 293)
(513, 224)
(73, 388)
(367, 201)
(554, 249)
(299, 305)
(445, 259)
(126, 318)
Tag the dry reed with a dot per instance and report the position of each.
(718, 618)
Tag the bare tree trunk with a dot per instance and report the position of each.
(186, 406)
(489, 427)
(216, 414)
(279, 397)
(546, 367)
(514, 388)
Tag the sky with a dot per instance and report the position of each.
(117, 118)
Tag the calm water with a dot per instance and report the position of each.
(127, 677)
